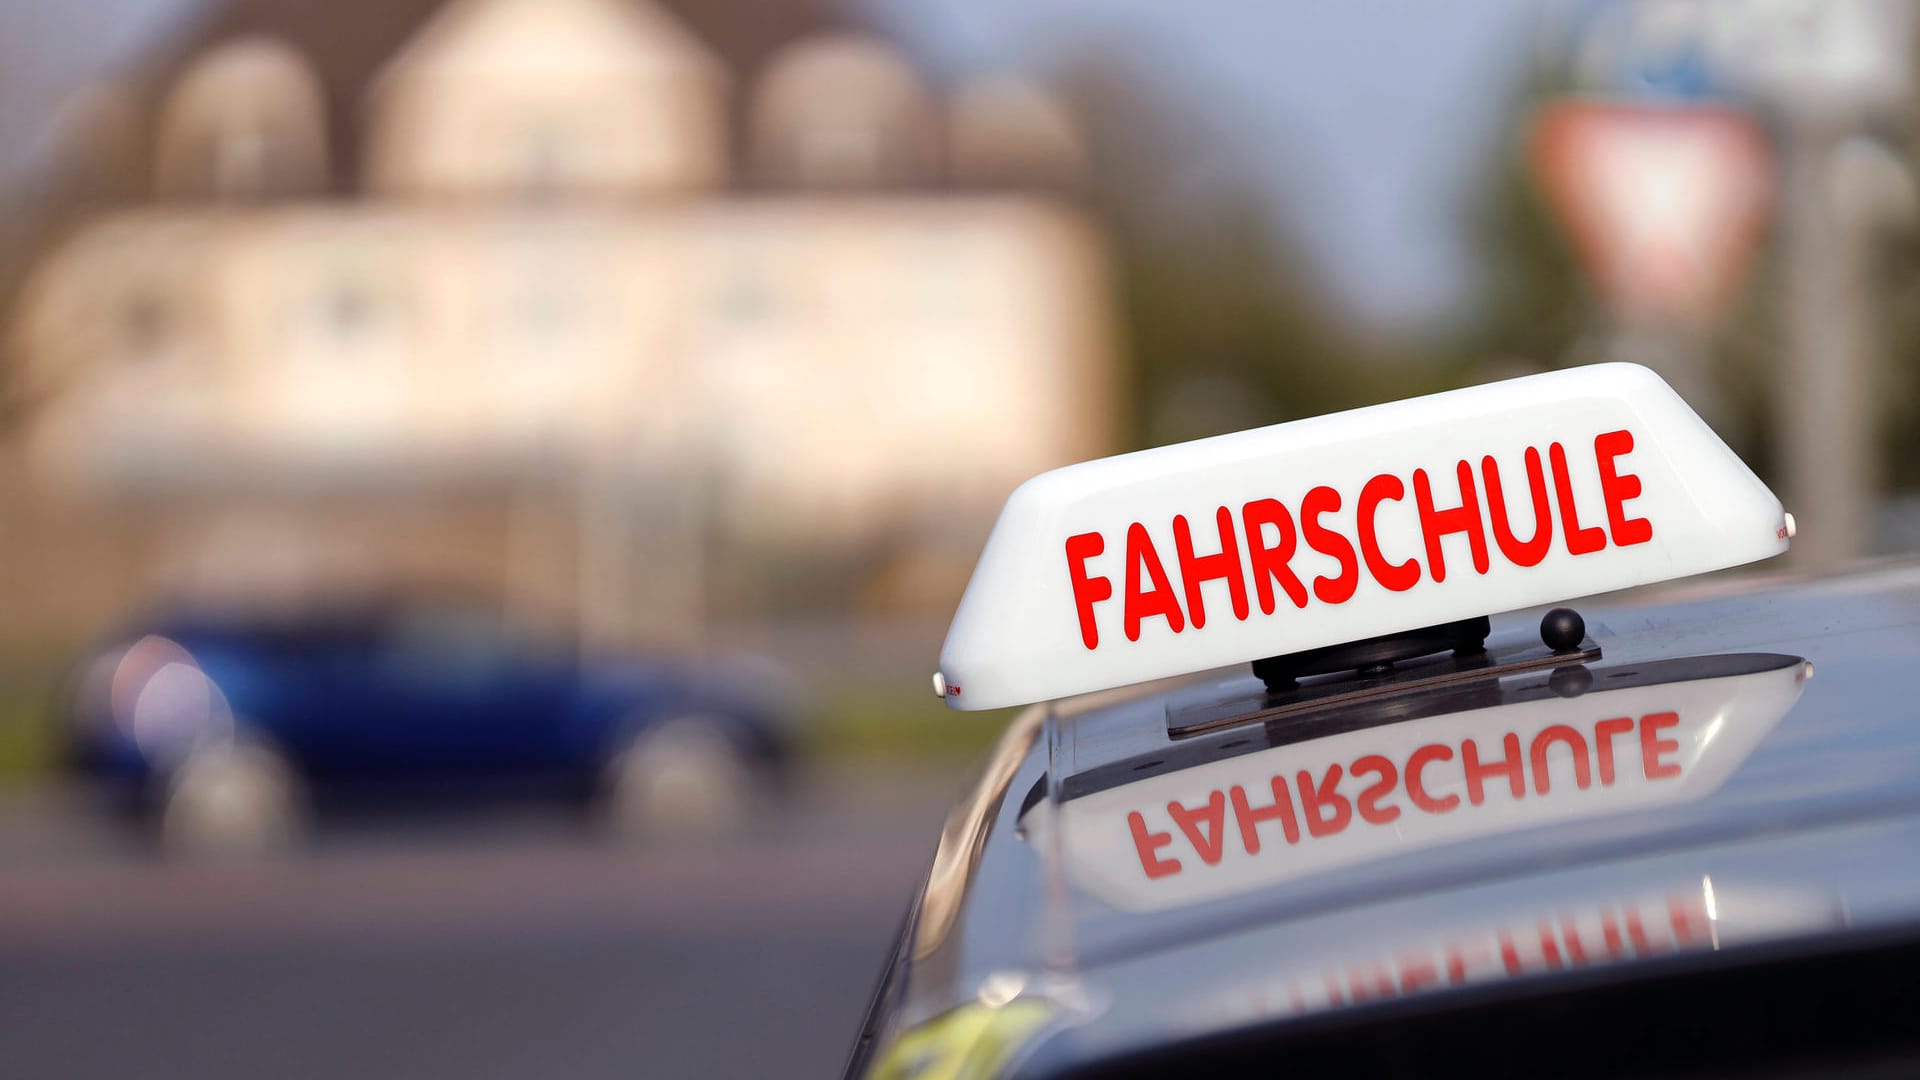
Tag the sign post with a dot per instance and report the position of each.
(1827, 68)
(1664, 205)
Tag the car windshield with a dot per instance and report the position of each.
(466, 636)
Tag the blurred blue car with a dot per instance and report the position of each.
(230, 727)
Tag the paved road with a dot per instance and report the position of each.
(516, 947)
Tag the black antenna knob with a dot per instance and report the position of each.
(1562, 630)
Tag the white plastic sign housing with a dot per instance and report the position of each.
(1345, 527)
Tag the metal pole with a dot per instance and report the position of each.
(1824, 397)
(1680, 352)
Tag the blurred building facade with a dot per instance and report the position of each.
(584, 306)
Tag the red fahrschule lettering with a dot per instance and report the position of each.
(1307, 804)
(1474, 507)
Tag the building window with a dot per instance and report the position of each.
(544, 314)
(246, 120)
(146, 325)
(747, 300)
(350, 311)
(544, 162)
(843, 110)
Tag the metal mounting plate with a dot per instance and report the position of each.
(1410, 677)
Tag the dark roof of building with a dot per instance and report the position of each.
(349, 41)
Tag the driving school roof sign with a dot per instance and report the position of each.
(1345, 527)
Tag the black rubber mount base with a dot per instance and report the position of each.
(1375, 656)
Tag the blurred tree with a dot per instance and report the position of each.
(1535, 308)
(1533, 304)
(1225, 319)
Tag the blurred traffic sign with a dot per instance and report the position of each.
(1663, 204)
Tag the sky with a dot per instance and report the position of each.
(1370, 118)
(50, 49)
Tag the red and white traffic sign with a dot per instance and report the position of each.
(1664, 204)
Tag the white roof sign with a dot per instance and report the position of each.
(1345, 527)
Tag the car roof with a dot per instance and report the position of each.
(1803, 778)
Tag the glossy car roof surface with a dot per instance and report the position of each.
(1798, 816)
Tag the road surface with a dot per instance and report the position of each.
(509, 947)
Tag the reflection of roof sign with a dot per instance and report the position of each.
(1344, 528)
(843, 110)
(1703, 915)
(245, 121)
(1657, 733)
